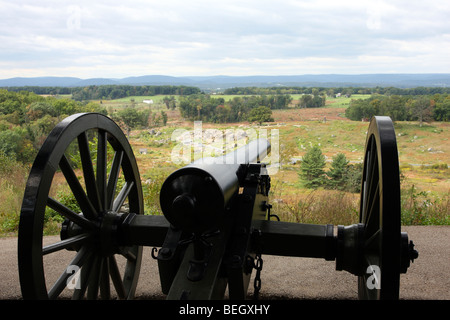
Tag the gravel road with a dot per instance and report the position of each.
(295, 278)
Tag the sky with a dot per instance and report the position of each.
(117, 39)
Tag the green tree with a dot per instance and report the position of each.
(164, 117)
(338, 171)
(170, 102)
(15, 144)
(37, 110)
(353, 178)
(312, 101)
(363, 108)
(10, 142)
(394, 107)
(311, 168)
(260, 115)
(422, 109)
(442, 111)
(132, 118)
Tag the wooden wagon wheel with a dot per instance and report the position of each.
(89, 233)
(380, 214)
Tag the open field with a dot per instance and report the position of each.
(332, 102)
(424, 156)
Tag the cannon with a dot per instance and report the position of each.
(216, 225)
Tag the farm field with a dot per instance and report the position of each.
(423, 157)
(328, 127)
(423, 154)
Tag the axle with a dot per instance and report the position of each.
(345, 245)
(278, 238)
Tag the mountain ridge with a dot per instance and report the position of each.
(224, 81)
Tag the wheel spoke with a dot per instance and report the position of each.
(88, 171)
(372, 260)
(79, 239)
(113, 177)
(373, 210)
(105, 290)
(363, 291)
(371, 177)
(101, 166)
(123, 194)
(84, 279)
(77, 190)
(69, 214)
(367, 178)
(61, 283)
(116, 278)
(94, 278)
(128, 253)
(363, 207)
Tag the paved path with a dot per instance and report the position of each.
(295, 278)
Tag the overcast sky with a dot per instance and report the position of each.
(115, 39)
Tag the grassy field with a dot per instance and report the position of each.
(424, 155)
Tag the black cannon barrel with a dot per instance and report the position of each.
(194, 198)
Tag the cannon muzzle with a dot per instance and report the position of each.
(195, 197)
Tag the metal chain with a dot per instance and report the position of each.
(258, 265)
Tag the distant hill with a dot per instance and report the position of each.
(214, 82)
(40, 82)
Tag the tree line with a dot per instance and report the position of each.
(402, 108)
(105, 91)
(331, 91)
(247, 108)
(109, 92)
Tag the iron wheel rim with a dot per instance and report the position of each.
(97, 202)
(380, 213)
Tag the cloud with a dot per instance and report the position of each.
(175, 37)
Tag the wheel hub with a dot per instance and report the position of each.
(104, 237)
(350, 246)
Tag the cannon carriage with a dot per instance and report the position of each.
(216, 227)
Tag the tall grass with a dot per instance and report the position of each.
(13, 177)
(420, 208)
(306, 206)
(319, 207)
(339, 207)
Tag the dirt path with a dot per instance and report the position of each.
(295, 278)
